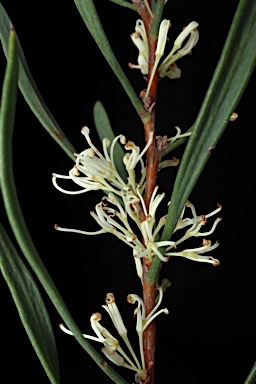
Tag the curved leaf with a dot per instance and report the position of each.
(30, 91)
(104, 129)
(90, 17)
(230, 78)
(24, 291)
(17, 221)
(30, 306)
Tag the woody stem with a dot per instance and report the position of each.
(152, 161)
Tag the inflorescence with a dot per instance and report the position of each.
(189, 37)
(112, 349)
(123, 205)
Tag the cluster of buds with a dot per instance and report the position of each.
(122, 211)
(112, 349)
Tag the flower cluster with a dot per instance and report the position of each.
(122, 211)
(168, 67)
(195, 223)
(112, 349)
(99, 170)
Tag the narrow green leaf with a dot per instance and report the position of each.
(90, 17)
(16, 219)
(126, 4)
(158, 11)
(24, 291)
(230, 78)
(104, 129)
(30, 306)
(252, 376)
(30, 91)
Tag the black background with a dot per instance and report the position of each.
(209, 335)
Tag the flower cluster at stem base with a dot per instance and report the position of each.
(112, 349)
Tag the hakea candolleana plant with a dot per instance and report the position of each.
(123, 211)
(124, 204)
(112, 349)
(130, 208)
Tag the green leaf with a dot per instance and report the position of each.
(30, 306)
(229, 81)
(9, 93)
(14, 212)
(24, 291)
(104, 129)
(126, 4)
(30, 91)
(158, 11)
(252, 376)
(90, 17)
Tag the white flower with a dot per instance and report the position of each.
(98, 171)
(117, 320)
(111, 344)
(162, 38)
(112, 349)
(195, 253)
(166, 69)
(142, 320)
(195, 223)
(139, 38)
(131, 159)
(114, 218)
(148, 230)
(178, 135)
(173, 72)
(94, 171)
(124, 205)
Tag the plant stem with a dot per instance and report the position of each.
(152, 158)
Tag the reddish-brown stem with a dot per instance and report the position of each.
(149, 335)
(152, 161)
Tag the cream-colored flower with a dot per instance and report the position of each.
(96, 171)
(139, 38)
(123, 212)
(195, 254)
(117, 320)
(196, 223)
(131, 159)
(161, 42)
(142, 320)
(115, 218)
(112, 349)
(166, 69)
